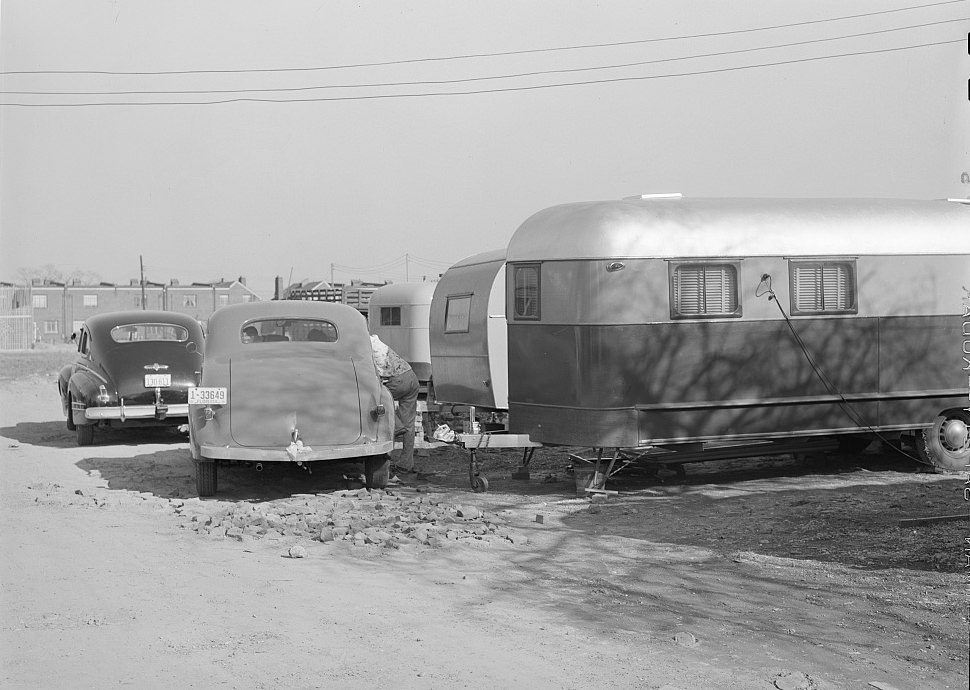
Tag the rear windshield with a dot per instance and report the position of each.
(289, 330)
(141, 332)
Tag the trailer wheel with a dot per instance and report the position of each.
(206, 478)
(946, 444)
(377, 471)
(70, 413)
(479, 484)
(85, 434)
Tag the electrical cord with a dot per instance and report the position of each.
(764, 288)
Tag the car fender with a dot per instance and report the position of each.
(63, 377)
(84, 387)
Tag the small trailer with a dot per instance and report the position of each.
(673, 330)
(399, 314)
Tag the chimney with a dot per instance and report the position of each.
(242, 279)
(174, 281)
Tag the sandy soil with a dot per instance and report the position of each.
(763, 574)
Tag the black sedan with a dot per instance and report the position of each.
(132, 369)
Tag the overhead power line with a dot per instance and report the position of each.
(514, 75)
(508, 89)
(496, 54)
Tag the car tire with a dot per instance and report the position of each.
(71, 426)
(85, 434)
(377, 471)
(206, 478)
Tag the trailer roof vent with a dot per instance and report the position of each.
(674, 195)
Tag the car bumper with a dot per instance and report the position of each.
(125, 412)
(306, 454)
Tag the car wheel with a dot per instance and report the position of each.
(70, 413)
(85, 434)
(205, 478)
(946, 444)
(377, 470)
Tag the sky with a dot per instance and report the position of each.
(262, 139)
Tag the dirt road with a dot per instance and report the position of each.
(771, 575)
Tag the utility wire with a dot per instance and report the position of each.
(854, 415)
(516, 75)
(509, 89)
(497, 54)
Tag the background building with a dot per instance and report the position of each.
(355, 294)
(49, 312)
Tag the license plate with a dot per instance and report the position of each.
(208, 396)
(158, 380)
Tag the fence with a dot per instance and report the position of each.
(16, 318)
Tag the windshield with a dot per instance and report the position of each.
(142, 332)
(288, 330)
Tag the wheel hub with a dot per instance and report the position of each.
(954, 434)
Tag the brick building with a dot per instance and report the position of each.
(59, 309)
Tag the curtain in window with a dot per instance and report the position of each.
(526, 292)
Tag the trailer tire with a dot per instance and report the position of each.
(479, 484)
(85, 434)
(946, 444)
(377, 471)
(206, 478)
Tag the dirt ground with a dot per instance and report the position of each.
(756, 574)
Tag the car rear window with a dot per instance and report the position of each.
(142, 332)
(288, 330)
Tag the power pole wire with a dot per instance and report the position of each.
(509, 89)
(516, 75)
(498, 54)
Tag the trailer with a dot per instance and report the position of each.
(671, 329)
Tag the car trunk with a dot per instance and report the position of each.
(127, 365)
(270, 397)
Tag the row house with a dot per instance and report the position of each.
(59, 309)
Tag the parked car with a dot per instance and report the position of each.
(289, 381)
(132, 369)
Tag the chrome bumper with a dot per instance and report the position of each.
(283, 455)
(134, 412)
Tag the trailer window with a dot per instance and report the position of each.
(457, 310)
(700, 290)
(823, 287)
(390, 316)
(526, 286)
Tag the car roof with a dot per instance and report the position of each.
(100, 323)
(226, 323)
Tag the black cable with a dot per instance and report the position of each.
(486, 91)
(498, 54)
(514, 75)
(823, 377)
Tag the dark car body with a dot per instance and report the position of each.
(289, 381)
(132, 369)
